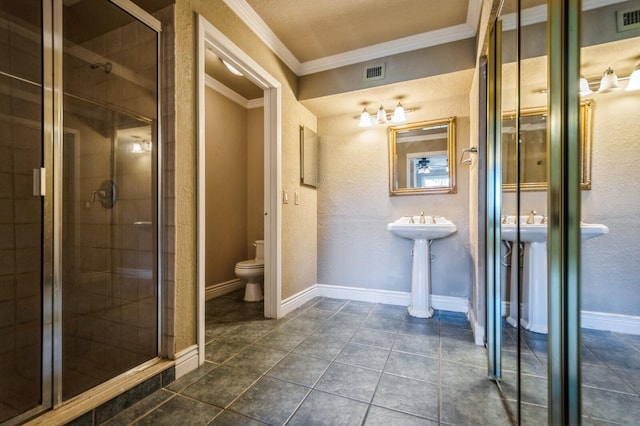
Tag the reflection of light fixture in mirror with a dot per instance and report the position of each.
(231, 68)
(584, 87)
(609, 81)
(634, 79)
(139, 147)
(398, 114)
(381, 117)
(365, 118)
(423, 166)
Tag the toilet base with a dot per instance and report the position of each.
(253, 292)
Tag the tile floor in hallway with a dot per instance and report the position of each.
(330, 362)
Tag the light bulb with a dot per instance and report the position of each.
(382, 116)
(365, 118)
(609, 81)
(634, 79)
(398, 114)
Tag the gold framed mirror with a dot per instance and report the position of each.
(533, 154)
(422, 157)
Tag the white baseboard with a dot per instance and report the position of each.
(216, 290)
(628, 324)
(294, 302)
(186, 360)
(478, 330)
(446, 303)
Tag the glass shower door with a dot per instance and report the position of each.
(109, 283)
(21, 211)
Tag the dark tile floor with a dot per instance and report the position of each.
(330, 362)
(610, 376)
(338, 362)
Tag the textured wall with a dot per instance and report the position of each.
(610, 268)
(298, 224)
(255, 178)
(354, 247)
(226, 187)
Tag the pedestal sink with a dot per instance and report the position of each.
(533, 236)
(422, 230)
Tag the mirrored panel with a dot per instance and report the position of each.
(309, 157)
(533, 149)
(422, 158)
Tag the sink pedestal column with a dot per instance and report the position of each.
(534, 289)
(421, 280)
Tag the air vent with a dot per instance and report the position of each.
(375, 72)
(628, 19)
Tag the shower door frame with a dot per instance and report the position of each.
(563, 200)
(53, 147)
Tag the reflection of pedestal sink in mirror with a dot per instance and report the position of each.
(533, 237)
(422, 230)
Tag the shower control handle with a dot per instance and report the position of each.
(107, 194)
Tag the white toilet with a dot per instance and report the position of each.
(252, 271)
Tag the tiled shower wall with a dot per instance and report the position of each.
(110, 296)
(20, 217)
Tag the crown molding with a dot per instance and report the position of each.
(232, 95)
(262, 30)
(538, 14)
(419, 41)
(473, 14)
(393, 47)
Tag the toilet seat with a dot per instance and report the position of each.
(250, 264)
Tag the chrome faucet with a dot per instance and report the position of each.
(531, 219)
(422, 220)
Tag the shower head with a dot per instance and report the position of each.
(106, 66)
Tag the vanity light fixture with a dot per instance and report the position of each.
(365, 118)
(584, 87)
(609, 81)
(140, 147)
(399, 115)
(382, 116)
(634, 79)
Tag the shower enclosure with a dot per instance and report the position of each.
(79, 293)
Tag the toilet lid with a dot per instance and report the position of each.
(250, 264)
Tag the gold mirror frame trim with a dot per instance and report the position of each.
(451, 156)
(586, 115)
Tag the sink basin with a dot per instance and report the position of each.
(422, 231)
(533, 237)
(537, 232)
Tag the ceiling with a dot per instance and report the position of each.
(312, 36)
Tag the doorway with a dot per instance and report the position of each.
(210, 38)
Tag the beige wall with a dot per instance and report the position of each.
(225, 187)
(298, 224)
(234, 185)
(255, 178)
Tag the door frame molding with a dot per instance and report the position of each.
(209, 37)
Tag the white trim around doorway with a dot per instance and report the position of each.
(209, 37)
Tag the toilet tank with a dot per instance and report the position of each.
(259, 249)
